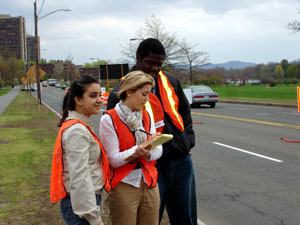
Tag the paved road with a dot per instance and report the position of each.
(245, 173)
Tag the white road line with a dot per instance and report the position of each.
(48, 107)
(237, 108)
(52, 109)
(250, 153)
(286, 113)
(263, 114)
(199, 222)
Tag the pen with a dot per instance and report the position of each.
(145, 132)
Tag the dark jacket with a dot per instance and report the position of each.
(182, 141)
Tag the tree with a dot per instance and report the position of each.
(264, 72)
(284, 63)
(294, 25)
(15, 69)
(43, 61)
(68, 63)
(154, 29)
(278, 72)
(192, 57)
(292, 71)
(94, 64)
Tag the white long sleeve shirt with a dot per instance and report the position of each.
(110, 142)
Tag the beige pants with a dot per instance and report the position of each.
(129, 205)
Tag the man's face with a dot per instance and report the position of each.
(150, 64)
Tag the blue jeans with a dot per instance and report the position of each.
(177, 190)
(69, 216)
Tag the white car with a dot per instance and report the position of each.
(57, 85)
(203, 95)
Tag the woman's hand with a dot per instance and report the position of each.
(142, 152)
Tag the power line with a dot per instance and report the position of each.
(41, 8)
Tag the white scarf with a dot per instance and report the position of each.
(134, 120)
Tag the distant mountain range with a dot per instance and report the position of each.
(230, 65)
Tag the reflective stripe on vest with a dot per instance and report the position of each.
(156, 112)
(57, 186)
(170, 100)
(127, 141)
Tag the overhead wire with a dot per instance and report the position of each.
(41, 8)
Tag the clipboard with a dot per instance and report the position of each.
(163, 138)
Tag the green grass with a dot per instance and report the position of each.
(261, 93)
(25, 163)
(4, 91)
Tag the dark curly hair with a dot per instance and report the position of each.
(150, 45)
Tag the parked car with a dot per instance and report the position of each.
(52, 82)
(203, 95)
(57, 85)
(44, 84)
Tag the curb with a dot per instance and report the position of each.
(260, 103)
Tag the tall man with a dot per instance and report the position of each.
(172, 115)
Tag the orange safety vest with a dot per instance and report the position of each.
(126, 141)
(57, 186)
(169, 104)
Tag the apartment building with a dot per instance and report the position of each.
(13, 35)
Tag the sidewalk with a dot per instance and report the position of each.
(5, 100)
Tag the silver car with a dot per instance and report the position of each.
(203, 95)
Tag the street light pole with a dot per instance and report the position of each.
(37, 55)
(37, 47)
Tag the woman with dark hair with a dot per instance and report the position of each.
(134, 198)
(80, 169)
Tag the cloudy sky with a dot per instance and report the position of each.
(250, 31)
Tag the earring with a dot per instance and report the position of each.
(80, 104)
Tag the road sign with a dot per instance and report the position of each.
(114, 71)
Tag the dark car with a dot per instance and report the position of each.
(203, 95)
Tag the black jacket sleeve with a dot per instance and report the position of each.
(182, 141)
(113, 98)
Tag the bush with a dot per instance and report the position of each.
(273, 82)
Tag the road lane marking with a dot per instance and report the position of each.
(286, 113)
(238, 108)
(48, 107)
(248, 152)
(248, 120)
(199, 222)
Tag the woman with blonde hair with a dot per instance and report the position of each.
(134, 198)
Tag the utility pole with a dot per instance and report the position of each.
(37, 55)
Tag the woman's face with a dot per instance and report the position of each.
(91, 100)
(136, 100)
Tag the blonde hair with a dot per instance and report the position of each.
(134, 81)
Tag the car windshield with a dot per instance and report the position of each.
(203, 89)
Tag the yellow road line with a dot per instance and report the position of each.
(248, 120)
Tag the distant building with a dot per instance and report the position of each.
(69, 71)
(31, 55)
(13, 35)
(48, 68)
